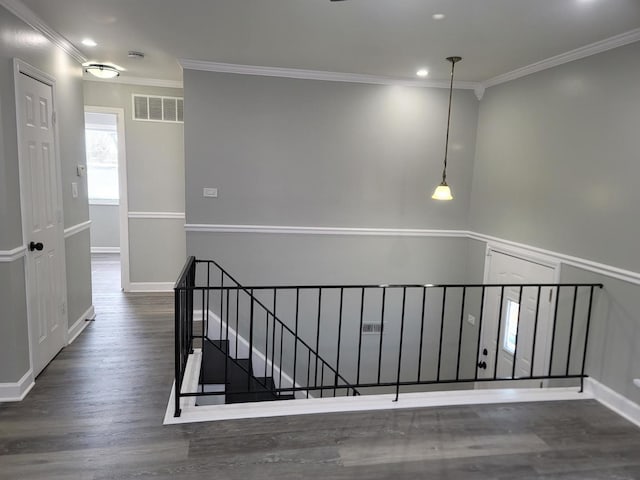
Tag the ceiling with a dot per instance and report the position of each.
(391, 38)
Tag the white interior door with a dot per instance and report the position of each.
(42, 220)
(515, 317)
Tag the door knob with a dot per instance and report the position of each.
(35, 246)
(482, 365)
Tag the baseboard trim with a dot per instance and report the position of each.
(105, 249)
(78, 327)
(367, 403)
(15, 392)
(613, 400)
(150, 287)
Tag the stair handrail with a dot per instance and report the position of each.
(283, 325)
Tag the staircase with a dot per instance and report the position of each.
(233, 376)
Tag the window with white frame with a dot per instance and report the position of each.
(101, 137)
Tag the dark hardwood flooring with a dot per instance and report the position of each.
(96, 413)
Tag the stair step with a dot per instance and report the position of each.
(241, 387)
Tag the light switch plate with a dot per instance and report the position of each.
(210, 192)
(74, 189)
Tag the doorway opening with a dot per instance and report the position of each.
(107, 191)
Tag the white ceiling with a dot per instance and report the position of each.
(390, 38)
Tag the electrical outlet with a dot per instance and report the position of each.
(210, 192)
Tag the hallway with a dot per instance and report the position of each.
(96, 413)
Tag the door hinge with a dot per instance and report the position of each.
(54, 118)
(63, 308)
(550, 295)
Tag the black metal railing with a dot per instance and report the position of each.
(336, 340)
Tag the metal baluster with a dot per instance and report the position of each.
(273, 338)
(250, 372)
(360, 336)
(404, 297)
(295, 340)
(555, 325)
(280, 364)
(221, 301)
(444, 300)
(424, 301)
(475, 376)
(308, 370)
(535, 331)
(515, 350)
(315, 374)
(495, 359)
(237, 320)
(178, 370)
(228, 347)
(266, 343)
(573, 317)
(339, 340)
(464, 294)
(384, 294)
(586, 340)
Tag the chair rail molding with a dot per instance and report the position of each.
(75, 229)
(12, 255)
(562, 258)
(157, 215)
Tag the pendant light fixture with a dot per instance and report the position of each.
(442, 191)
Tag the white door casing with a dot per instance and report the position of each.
(123, 210)
(506, 268)
(42, 218)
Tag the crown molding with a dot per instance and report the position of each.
(28, 16)
(141, 81)
(616, 41)
(206, 66)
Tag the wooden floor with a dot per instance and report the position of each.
(96, 413)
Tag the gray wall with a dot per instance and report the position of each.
(557, 167)
(312, 153)
(105, 226)
(155, 181)
(20, 41)
(300, 152)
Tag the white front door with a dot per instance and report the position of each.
(42, 220)
(514, 316)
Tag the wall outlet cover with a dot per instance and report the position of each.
(210, 192)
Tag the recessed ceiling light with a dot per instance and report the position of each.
(438, 16)
(87, 42)
(423, 72)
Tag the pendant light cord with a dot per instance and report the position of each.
(453, 61)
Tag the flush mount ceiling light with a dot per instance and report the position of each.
(422, 73)
(88, 42)
(442, 191)
(101, 70)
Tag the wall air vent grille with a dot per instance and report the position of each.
(153, 108)
(372, 328)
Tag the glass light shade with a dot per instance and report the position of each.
(442, 192)
(102, 71)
